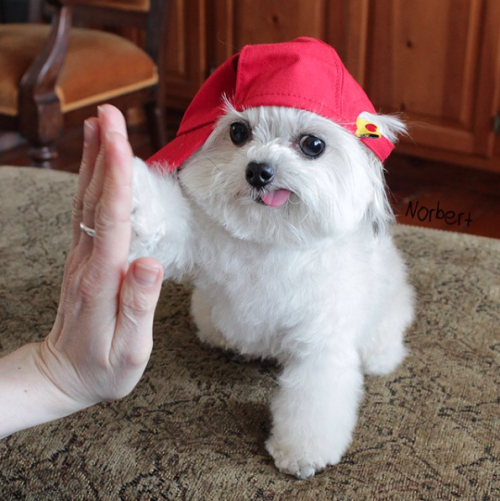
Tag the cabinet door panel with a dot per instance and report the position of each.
(244, 22)
(423, 58)
(186, 51)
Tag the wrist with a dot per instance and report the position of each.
(28, 396)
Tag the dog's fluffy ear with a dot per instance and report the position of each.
(390, 126)
(380, 213)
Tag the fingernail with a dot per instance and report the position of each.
(145, 275)
(88, 131)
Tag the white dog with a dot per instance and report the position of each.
(279, 216)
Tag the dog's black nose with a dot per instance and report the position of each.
(258, 175)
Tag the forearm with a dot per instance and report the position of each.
(27, 397)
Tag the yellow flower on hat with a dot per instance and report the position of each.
(364, 128)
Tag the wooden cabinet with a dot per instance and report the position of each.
(240, 22)
(436, 61)
(186, 51)
(439, 62)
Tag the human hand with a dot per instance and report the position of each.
(102, 337)
(101, 340)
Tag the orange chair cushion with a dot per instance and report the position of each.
(98, 66)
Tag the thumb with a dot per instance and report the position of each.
(139, 295)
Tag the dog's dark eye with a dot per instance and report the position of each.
(312, 146)
(239, 133)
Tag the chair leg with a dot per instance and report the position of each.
(155, 115)
(43, 156)
(41, 123)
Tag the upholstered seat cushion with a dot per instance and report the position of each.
(98, 66)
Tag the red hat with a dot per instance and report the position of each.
(305, 73)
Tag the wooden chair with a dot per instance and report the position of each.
(52, 76)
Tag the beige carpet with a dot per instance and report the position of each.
(194, 428)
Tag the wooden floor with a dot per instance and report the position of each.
(423, 193)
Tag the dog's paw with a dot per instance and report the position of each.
(212, 337)
(296, 463)
(383, 360)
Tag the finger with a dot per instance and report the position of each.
(110, 120)
(139, 295)
(91, 145)
(112, 214)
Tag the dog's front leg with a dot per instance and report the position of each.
(314, 411)
(161, 220)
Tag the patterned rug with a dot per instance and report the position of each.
(195, 426)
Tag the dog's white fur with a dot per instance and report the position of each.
(316, 283)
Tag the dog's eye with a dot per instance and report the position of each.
(239, 133)
(312, 146)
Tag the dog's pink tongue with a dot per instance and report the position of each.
(276, 198)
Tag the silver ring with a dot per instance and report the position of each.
(89, 231)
